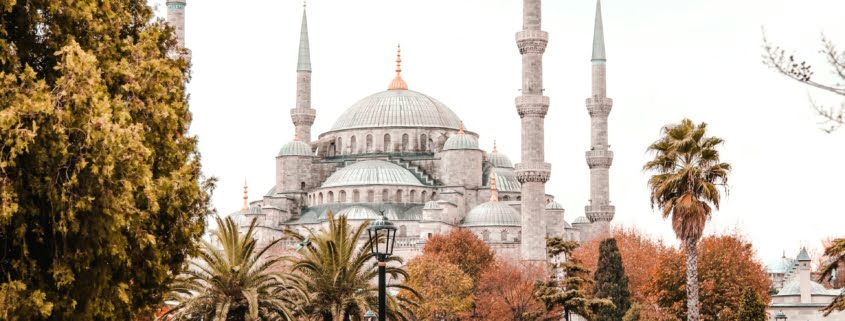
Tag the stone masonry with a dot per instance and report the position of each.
(533, 172)
(176, 19)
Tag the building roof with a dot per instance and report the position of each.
(372, 172)
(492, 214)
(397, 108)
(598, 36)
(506, 180)
(358, 213)
(581, 220)
(432, 205)
(554, 205)
(499, 160)
(296, 148)
(803, 255)
(461, 141)
(780, 266)
(303, 62)
(794, 288)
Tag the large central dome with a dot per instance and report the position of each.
(397, 108)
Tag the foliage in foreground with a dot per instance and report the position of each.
(611, 282)
(100, 193)
(836, 251)
(446, 291)
(752, 307)
(569, 287)
(506, 293)
(233, 281)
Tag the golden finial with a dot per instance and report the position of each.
(397, 82)
(494, 194)
(245, 208)
(304, 3)
(461, 131)
(295, 136)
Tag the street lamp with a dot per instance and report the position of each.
(382, 235)
(369, 316)
(780, 316)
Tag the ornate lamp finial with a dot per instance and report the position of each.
(397, 82)
(494, 193)
(245, 208)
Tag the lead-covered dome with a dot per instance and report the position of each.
(397, 108)
(358, 213)
(461, 141)
(296, 148)
(500, 160)
(492, 214)
(372, 172)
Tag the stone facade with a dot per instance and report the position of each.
(800, 298)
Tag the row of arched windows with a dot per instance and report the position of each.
(336, 147)
(399, 197)
(503, 235)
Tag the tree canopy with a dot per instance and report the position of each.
(611, 282)
(101, 199)
(446, 291)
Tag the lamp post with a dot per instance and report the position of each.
(382, 235)
(780, 316)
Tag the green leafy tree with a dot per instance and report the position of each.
(836, 251)
(101, 199)
(233, 280)
(568, 287)
(611, 282)
(335, 269)
(687, 176)
(752, 307)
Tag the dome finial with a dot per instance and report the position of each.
(295, 136)
(245, 208)
(461, 131)
(397, 82)
(494, 194)
(304, 3)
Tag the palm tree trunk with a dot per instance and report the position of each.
(692, 279)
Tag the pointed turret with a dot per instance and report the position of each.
(303, 115)
(598, 36)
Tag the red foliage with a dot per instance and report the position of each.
(505, 292)
(462, 248)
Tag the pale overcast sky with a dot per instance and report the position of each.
(667, 59)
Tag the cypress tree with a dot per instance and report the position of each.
(752, 307)
(611, 282)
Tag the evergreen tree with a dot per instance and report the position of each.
(101, 199)
(752, 307)
(611, 282)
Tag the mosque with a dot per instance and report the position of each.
(406, 155)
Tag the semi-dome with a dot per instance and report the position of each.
(506, 180)
(431, 205)
(296, 148)
(492, 214)
(358, 213)
(372, 172)
(553, 205)
(794, 288)
(500, 160)
(397, 108)
(581, 220)
(461, 141)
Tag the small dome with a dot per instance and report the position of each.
(358, 213)
(794, 288)
(581, 220)
(566, 224)
(253, 210)
(493, 214)
(372, 172)
(397, 108)
(553, 205)
(431, 205)
(506, 180)
(500, 160)
(296, 148)
(780, 266)
(461, 141)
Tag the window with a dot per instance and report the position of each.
(413, 196)
(320, 198)
(504, 235)
(339, 146)
(330, 197)
(385, 197)
(352, 145)
(371, 196)
(356, 196)
(405, 143)
(387, 147)
(369, 143)
(342, 197)
(422, 197)
(485, 236)
(399, 196)
(302, 186)
(423, 143)
(403, 231)
(506, 198)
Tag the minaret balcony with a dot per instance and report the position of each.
(533, 172)
(599, 106)
(532, 105)
(599, 158)
(532, 41)
(597, 213)
(303, 116)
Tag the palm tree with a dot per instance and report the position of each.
(336, 274)
(233, 282)
(685, 185)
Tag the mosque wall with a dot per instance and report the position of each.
(371, 194)
(383, 140)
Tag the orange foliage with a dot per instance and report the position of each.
(505, 292)
(446, 291)
(462, 248)
(640, 257)
(726, 267)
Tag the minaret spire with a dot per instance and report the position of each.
(599, 157)
(176, 19)
(533, 172)
(303, 115)
(398, 83)
(245, 207)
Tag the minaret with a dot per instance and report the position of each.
(303, 115)
(599, 157)
(533, 172)
(176, 19)
(246, 196)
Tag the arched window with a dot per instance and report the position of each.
(423, 143)
(412, 196)
(506, 198)
(369, 143)
(320, 198)
(405, 142)
(332, 149)
(385, 196)
(339, 146)
(519, 198)
(352, 146)
(399, 196)
(356, 196)
(422, 197)
(302, 186)
(341, 198)
(504, 235)
(330, 196)
(387, 146)
(433, 195)
(371, 196)
(485, 236)
(403, 231)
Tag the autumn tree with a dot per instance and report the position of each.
(446, 291)
(569, 286)
(101, 199)
(611, 282)
(506, 292)
(640, 256)
(836, 254)
(726, 268)
(752, 307)
(464, 249)
(800, 70)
